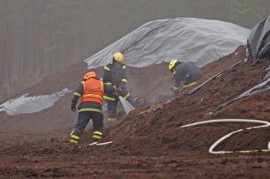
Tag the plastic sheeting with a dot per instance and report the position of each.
(187, 39)
(261, 87)
(259, 40)
(24, 104)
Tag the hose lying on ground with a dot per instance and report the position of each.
(211, 149)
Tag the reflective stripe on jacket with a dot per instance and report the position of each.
(93, 90)
(115, 75)
(186, 73)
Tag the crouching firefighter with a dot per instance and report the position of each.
(185, 75)
(115, 82)
(90, 93)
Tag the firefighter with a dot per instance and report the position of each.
(185, 75)
(115, 80)
(90, 92)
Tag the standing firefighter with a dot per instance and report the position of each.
(185, 74)
(115, 80)
(91, 92)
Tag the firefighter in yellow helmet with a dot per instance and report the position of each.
(185, 74)
(90, 93)
(115, 79)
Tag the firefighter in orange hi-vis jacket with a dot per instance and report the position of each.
(90, 92)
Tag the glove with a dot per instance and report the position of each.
(181, 89)
(73, 107)
(119, 90)
(176, 92)
(115, 90)
(122, 85)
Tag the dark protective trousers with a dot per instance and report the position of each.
(112, 105)
(83, 120)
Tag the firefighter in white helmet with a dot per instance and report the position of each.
(185, 74)
(115, 76)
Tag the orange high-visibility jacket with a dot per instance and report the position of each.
(93, 90)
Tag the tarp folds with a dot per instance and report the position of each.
(188, 39)
(259, 40)
(32, 104)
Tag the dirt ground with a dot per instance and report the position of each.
(149, 142)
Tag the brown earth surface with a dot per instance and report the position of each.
(149, 142)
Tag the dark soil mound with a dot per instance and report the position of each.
(149, 142)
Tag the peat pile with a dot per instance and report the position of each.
(149, 142)
(157, 127)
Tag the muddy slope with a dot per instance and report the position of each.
(149, 142)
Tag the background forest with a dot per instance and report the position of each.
(41, 37)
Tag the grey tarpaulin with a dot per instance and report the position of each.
(189, 39)
(259, 40)
(32, 104)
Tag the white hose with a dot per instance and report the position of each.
(211, 149)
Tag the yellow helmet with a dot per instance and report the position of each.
(118, 57)
(172, 64)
